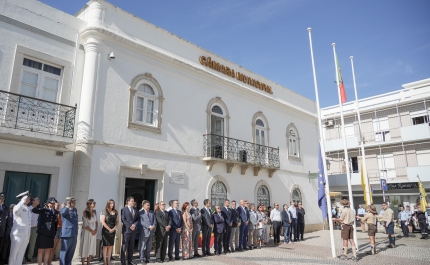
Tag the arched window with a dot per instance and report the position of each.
(296, 196)
(263, 196)
(146, 100)
(145, 105)
(293, 142)
(218, 194)
(218, 118)
(260, 128)
(217, 121)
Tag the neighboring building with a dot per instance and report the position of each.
(157, 117)
(396, 131)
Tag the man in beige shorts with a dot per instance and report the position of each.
(347, 219)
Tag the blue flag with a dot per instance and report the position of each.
(322, 200)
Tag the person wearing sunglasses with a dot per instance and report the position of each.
(162, 232)
(300, 221)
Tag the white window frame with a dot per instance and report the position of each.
(146, 97)
(291, 139)
(223, 116)
(41, 75)
(141, 79)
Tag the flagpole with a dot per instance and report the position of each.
(363, 154)
(345, 149)
(327, 188)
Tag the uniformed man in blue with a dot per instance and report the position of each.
(403, 219)
(4, 237)
(69, 232)
(46, 230)
(422, 218)
(361, 212)
(20, 234)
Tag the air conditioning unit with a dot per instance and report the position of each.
(329, 123)
(243, 156)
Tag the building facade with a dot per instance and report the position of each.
(396, 131)
(106, 105)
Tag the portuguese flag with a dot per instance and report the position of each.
(341, 86)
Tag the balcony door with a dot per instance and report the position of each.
(260, 140)
(217, 132)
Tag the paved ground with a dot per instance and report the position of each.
(316, 250)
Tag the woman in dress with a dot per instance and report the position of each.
(263, 236)
(58, 233)
(260, 220)
(89, 231)
(109, 220)
(187, 231)
(46, 229)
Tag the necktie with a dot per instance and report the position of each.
(147, 213)
(132, 212)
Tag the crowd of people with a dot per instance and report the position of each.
(369, 218)
(235, 228)
(48, 226)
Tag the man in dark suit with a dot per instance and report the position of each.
(130, 219)
(234, 234)
(207, 225)
(219, 230)
(227, 214)
(243, 212)
(175, 232)
(4, 237)
(286, 223)
(197, 226)
(162, 231)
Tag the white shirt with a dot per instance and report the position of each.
(275, 215)
(168, 209)
(34, 217)
(293, 212)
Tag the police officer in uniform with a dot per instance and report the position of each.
(422, 220)
(4, 237)
(69, 232)
(20, 234)
(46, 230)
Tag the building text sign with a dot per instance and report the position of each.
(177, 178)
(207, 61)
(402, 186)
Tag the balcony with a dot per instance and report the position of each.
(35, 120)
(220, 149)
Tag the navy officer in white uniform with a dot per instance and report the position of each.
(20, 234)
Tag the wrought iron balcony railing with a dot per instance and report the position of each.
(36, 115)
(238, 151)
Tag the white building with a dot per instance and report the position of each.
(396, 131)
(157, 117)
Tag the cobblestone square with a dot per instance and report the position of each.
(315, 249)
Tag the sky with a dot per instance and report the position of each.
(389, 39)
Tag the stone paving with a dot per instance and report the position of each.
(315, 249)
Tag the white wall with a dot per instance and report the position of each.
(35, 158)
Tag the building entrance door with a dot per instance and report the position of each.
(18, 182)
(140, 189)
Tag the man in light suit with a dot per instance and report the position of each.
(234, 235)
(219, 230)
(197, 226)
(228, 218)
(243, 212)
(286, 223)
(148, 223)
(207, 225)
(162, 231)
(69, 231)
(20, 234)
(175, 232)
(130, 220)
